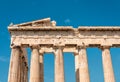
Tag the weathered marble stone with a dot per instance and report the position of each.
(43, 36)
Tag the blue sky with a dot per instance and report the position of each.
(65, 12)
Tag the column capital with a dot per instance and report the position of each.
(34, 46)
(78, 48)
(81, 47)
(14, 46)
(76, 53)
(41, 52)
(104, 47)
(19, 48)
(58, 47)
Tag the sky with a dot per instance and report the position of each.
(66, 13)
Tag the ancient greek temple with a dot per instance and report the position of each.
(43, 36)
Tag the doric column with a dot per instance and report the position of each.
(59, 65)
(77, 67)
(107, 65)
(82, 72)
(14, 65)
(19, 74)
(25, 65)
(35, 66)
(25, 74)
(22, 70)
(41, 67)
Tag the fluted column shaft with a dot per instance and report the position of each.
(35, 66)
(107, 65)
(41, 67)
(22, 70)
(82, 63)
(14, 65)
(77, 67)
(59, 65)
(25, 74)
(19, 75)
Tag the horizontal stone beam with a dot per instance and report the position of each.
(64, 36)
(52, 49)
(80, 28)
(66, 42)
(31, 28)
(99, 28)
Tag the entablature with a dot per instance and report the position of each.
(25, 34)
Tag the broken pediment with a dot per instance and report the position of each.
(37, 23)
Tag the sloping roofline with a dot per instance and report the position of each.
(51, 25)
(32, 22)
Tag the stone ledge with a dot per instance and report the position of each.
(99, 28)
(44, 28)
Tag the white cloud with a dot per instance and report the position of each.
(3, 59)
(67, 21)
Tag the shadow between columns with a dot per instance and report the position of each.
(77, 76)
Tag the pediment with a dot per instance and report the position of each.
(37, 23)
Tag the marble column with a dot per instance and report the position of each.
(83, 66)
(14, 65)
(35, 66)
(107, 65)
(25, 74)
(22, 69)
(77, 67)
(19, 77)
(59, 65)
(25, 65)
(41, 67)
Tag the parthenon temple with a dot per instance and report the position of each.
(43, 36)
